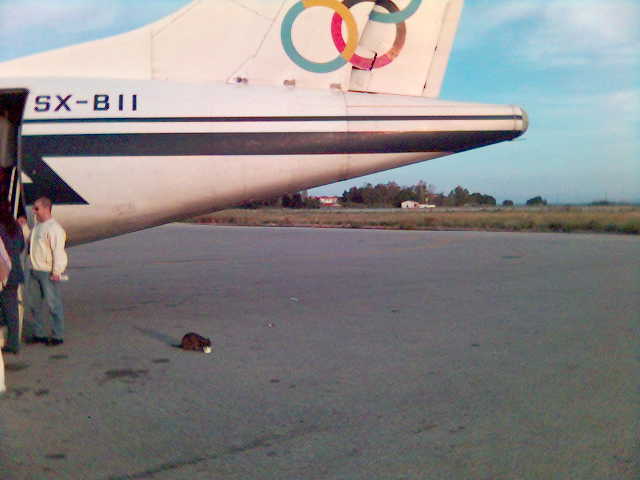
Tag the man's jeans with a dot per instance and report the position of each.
(44, 297)
(9, 312)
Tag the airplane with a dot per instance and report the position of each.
(229, 101)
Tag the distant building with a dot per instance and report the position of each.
(414, 204)
(328, 201)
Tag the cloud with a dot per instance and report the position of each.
(625, 102)
(586, 32)
(607, 122)
(29, 26)
(559, 33)
(507, 13)
(482, 18)
(53, 16)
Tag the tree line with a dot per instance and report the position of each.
(288, 200)
(391, 195)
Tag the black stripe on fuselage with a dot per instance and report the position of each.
(263, 143)
(352, 118)
(45, 181)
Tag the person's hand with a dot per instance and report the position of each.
(55, 277)
(22, 221)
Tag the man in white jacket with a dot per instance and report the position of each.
(48, 262)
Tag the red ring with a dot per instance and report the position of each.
(380, 61)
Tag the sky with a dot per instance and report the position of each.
(572, 64)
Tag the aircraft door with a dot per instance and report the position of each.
(12, 103)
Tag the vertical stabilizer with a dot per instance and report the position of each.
(379, 46)
(408, 43)
(438, 65)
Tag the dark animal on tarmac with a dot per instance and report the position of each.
(195, 342)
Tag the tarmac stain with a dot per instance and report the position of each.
(19, 391)
(252, 445)
(161, 360)
(40, 393)
(130, 308)
(55, 456)
(265, 441)
(125, 373)
(60, 356)
(425, 428)
(16, 367)
(511, 257)
(275, 380)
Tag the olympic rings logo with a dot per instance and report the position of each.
(347, 49)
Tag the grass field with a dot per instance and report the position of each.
(619, 219)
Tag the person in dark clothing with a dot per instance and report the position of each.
(11, 235)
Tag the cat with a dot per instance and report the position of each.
(195, 342)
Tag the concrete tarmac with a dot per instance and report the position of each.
(338, 354)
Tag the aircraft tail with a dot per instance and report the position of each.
(381, 46)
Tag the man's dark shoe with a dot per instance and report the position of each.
(35, 339)
(55, 341)
(9, 350)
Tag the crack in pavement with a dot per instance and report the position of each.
(259, 442)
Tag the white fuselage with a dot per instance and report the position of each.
(122, 155)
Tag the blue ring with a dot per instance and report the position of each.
(292, 52)
(396, 17)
